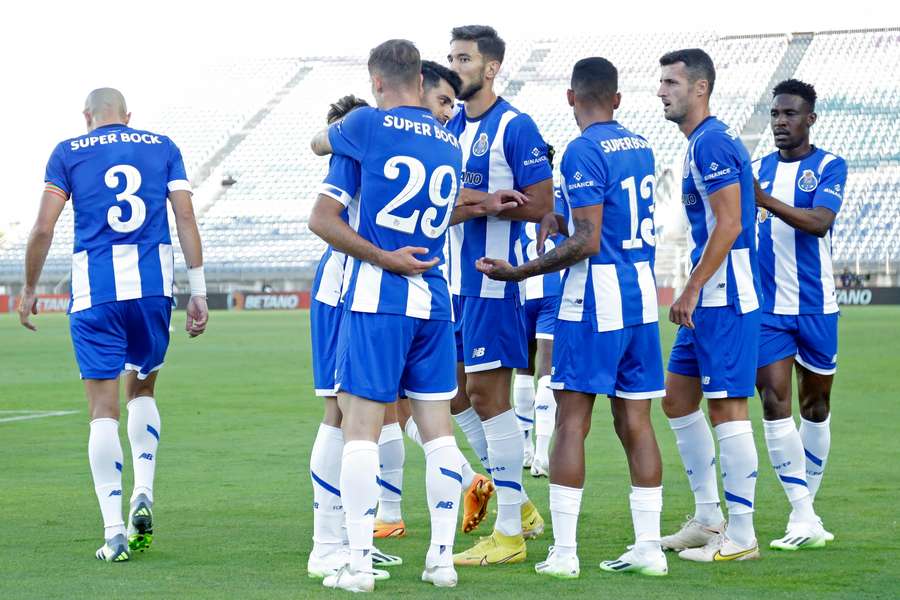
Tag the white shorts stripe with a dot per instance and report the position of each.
(640, 395)
(430, 396)
(484, 367)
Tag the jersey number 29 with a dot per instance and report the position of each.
(414, 184)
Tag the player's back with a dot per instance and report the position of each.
(409, 183)
(118, 180)
(611, 165)
(715, 159)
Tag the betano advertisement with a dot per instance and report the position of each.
(59, 303)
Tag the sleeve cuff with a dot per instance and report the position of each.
(335, 192)
(180, 185)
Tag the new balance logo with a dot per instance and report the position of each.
(478, 352)
(146, 455)
(115, 493)
(371, 511)
(445, 504)
(706, 381)
(542, 407)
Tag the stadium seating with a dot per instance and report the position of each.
(256, 227)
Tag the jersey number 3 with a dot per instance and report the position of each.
(413, 185)
(138, 208)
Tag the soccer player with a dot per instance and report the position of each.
(118, 179)
(607, 335)
(502, 149)
(329, 552)
(537, 411)
(716, 346)
(396, 332)
(441, 87)
(800, 191)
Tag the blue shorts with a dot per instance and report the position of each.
(378, 354)
(722, 351)
(490, 333)
(540, 317)
(324, 323)
(129, 335)
(626, 363)
(811, 339)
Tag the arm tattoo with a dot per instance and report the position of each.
(566, 254)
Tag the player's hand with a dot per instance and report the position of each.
(496, 202)
(404, 261)
(498, 269)
(197, 316)
(548, 228)
(758, 194)
(682, 311)
(27, 307)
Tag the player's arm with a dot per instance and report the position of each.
(471, 204)
(816, 220)
(539, 202)
(584, 242)
(726, 206)
(191, 247)
(327, 223)
(320, 144)
(53, 201)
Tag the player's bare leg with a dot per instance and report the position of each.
(105, 455)
(698, 454)
(392, 455)
(573, 424)
(631, 419)
(544, 409)
(144, 430)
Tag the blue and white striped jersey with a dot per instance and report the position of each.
(410, 166)
(341, 183)
(541, 286)
(502, 149)
(615, 288)
(715, 159)
(795, 266)
(118, 180)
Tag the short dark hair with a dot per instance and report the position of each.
(595, 80)
(697, 63)
(397, 61)
(795, 87)
(489, 43)
(340, 109)
(432, 73)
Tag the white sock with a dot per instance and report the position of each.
(523, 400)
(143, 435)
(786, 454)
(565, 504)
(105, 456)
(470, 423)
(646, 506)
(412, 431)
(359, 491)
(443, 486)
(698, 454)
(544, 419)
(506, 451)
(816, 444)
(739, 475)
(325, 473)
(392, 454)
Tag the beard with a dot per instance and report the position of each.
(470, 90)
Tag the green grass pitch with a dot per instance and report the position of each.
(233, 496)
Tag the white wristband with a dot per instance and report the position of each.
(197, 282)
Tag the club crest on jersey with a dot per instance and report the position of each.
(807, 181)
(480, 147)
(762, 214)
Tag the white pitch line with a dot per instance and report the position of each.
(37, 415)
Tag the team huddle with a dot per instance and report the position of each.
(452, 261)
